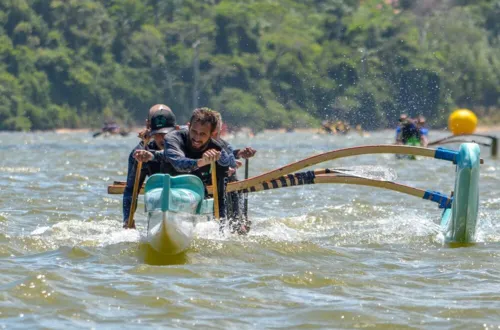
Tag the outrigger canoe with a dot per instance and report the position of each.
(176, 204)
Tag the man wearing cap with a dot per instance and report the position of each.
(160, 121)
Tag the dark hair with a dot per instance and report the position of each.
(204, 116)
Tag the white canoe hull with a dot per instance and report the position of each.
(170, 233)
(174, 205)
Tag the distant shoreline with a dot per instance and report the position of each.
(88, 130)
(480, 129)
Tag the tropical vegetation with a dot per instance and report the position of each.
(262, 63)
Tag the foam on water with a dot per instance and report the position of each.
(488, 229)
(85, 233)
(336, 230)
(323, 228)
(19, 169)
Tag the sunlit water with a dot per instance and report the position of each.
(318, 256)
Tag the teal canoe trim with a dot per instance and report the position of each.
(444, 201)
(183, 193)
(446, 154)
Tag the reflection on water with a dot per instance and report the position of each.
(146, 254)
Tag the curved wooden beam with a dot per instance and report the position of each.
(328, 178)
(443, 200)
(330, 155)
(327, 156)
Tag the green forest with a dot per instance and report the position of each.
(261, 63)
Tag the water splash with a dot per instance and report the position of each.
(85, 233)
(370, 172)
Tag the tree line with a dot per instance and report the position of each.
(261, 63)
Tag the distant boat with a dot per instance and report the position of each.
(338, 127)
(111, 128)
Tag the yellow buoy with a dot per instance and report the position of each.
(462, 121)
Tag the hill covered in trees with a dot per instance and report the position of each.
(262, 63)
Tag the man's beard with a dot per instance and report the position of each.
(199, 146)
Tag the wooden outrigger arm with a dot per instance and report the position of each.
(118, 186)
(439, 153)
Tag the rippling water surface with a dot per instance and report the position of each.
(318, 256)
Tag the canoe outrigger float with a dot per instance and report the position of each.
(460, 221)
(175, 204)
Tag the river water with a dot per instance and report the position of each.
(317, 257)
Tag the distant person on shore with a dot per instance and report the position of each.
(111, 127)
(328, 126)
(359, 129)
(342, 127)
(338, 127)
(160, 121)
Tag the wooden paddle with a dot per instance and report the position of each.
(131, 223)
(245, 199)
(135, 191)
(215, 191)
